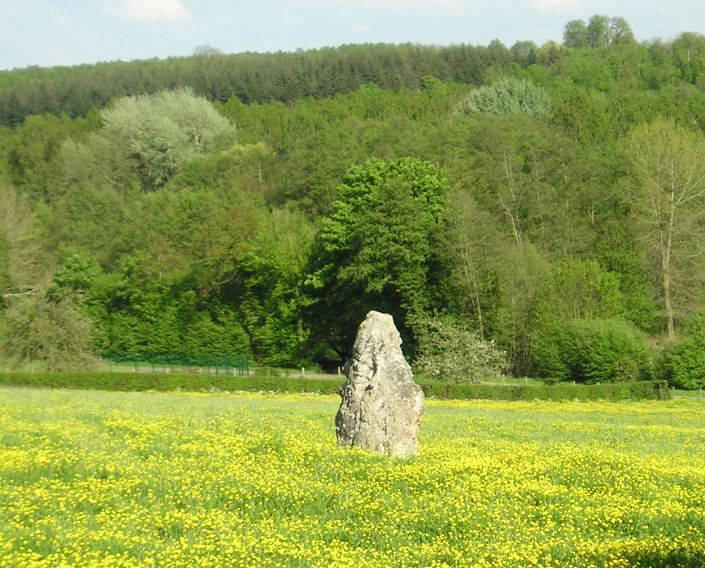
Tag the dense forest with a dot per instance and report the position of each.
(536, 210)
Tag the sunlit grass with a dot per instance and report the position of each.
(149, 479)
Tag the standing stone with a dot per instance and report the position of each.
(382, 405)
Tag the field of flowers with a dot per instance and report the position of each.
(189, 480)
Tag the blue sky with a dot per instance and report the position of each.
(70, 32)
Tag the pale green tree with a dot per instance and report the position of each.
(33, 330)
(470, 240)
(166, 130)
(620, 31)
(508, 96)
(669, 205)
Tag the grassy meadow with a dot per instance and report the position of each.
(220, 480)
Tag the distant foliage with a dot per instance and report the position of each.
(508, 96)
(600, 31)
(166, 130)
(250, 77)
(449, 352)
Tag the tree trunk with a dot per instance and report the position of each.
(668, 307)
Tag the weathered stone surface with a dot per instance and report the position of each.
(382, 405)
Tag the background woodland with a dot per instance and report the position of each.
(532, 210)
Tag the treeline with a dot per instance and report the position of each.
(251, 77)
(322, 73)
(531, 210)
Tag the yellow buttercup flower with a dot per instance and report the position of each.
(92, 479)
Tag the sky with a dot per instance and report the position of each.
(72, 32)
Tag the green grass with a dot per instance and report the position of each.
(175, 479)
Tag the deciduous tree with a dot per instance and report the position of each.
(575, 34)
(507, 96)
(669, 204)
(377, 247)
(166, 130)
(22, 264)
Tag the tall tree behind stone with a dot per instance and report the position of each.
(382, 405)
(380, 246)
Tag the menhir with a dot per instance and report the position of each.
(382, 405)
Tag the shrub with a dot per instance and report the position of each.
(644, 390)
(593, 351)
(449, 352)
(683, 364)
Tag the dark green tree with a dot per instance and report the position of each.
(682, 362)
(508, 96)
(524, 52)
(377, 249)
(272, 299)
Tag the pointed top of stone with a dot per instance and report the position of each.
(377, 333)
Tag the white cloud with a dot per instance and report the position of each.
(555, 5)
(357, 27)
(150, 11)
(442, 6)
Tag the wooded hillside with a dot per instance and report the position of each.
(545, 203)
